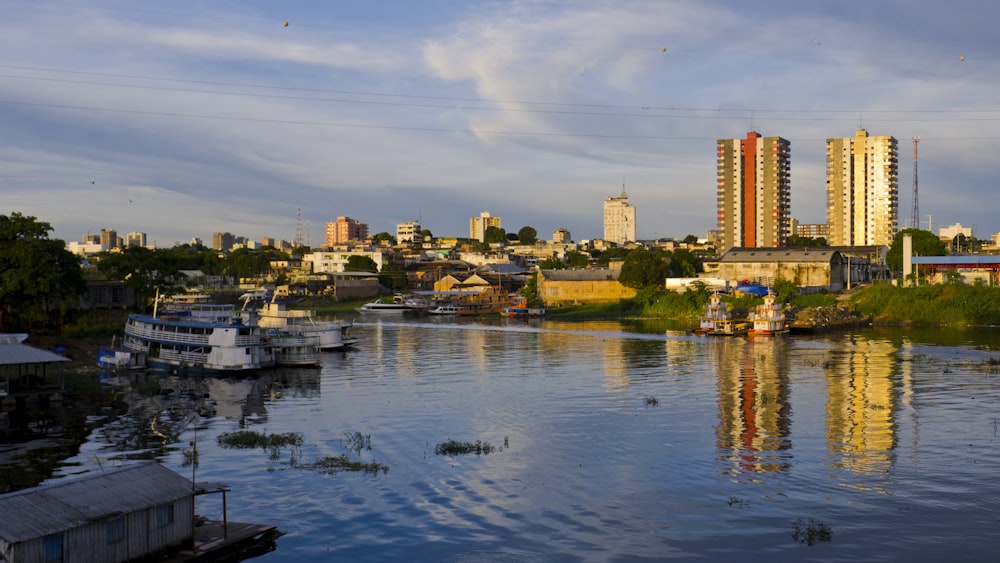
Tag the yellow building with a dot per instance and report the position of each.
(573, 287)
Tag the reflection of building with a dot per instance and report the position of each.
(860, 407)
(754, 405)
(754, 191)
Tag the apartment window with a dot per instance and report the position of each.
(116, 530)
(165, 514)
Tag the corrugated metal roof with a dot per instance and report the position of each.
(814, 254)
(71, 503)
(13, 352)
(582, 274)
(978, 259)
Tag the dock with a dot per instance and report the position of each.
(233, 541)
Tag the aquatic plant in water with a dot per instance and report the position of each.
(337, 463)
(811, 531)
(453, 447)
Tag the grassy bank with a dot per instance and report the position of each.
(953, 305)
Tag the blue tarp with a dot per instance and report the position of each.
(752, 289)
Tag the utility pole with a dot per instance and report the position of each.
(915, 217)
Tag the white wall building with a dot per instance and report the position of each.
(334, 262)
(619, 219)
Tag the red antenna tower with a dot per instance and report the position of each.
(915, 218)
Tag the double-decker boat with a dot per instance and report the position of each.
(768, 318)
(333, 335)
(198, 338)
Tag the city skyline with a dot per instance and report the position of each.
(165, 120)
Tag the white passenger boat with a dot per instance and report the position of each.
(200, 338)
(333, 335)
(399, 304)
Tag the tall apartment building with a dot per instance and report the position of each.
(862, 190)
(478, 225)
(109, 238)
(135, 238)
(410, 231)
(561, 236)
(754, 191)
(619, 219)
(345, 230)
(223, 241)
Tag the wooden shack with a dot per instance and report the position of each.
(115, 515)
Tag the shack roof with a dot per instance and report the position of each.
(13, 351)
(75, 502)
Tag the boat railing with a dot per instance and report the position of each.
(185, 357)
(148, 331)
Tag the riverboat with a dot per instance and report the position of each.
(399, 304)
(200, 338)
(444, 309)
(333, 335)
(519, 309)
(716, 313)
(768, 318)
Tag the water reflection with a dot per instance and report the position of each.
(754, 404)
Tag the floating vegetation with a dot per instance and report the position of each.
(356, 442)
(248, 439)
(652, 401)
(337, 463)
(811, 531)
(737, 502)
(272, 443)
(452, 447)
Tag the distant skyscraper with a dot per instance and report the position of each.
(109, 238)
(223, 241)
(619, 219)
(345, 230)
(478, 225)
(862, 190)
(754, 191)
(561, 235)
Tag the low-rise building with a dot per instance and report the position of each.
(578, 286)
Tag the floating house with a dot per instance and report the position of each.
(143, 511)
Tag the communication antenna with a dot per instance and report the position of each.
(298, 228)
(915, 217)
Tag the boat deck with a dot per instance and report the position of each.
(234, 543)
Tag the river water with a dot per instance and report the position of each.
(609, 442)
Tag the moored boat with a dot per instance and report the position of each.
(333, 335)
(519, 308)
(205, 339)
(444, 309)
(399, 305)
(716, 313)
(768, 318)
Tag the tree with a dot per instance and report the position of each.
(384, 236)
(552, 264)
(577, 259)
(39, 279)
(394, 277)
(684, 264)
(605, 257)
(796, 240)
(690, 239)
(357, 263)
(527, 235)
(145, 271)
(427, 234)
(643, 268)
(494, 234)
(924, 243)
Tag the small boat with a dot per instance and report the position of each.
(519, 309)
(768, 318)
(399, 304)
(115, 358)
(444, 309)
(728, 327)
(295, 349)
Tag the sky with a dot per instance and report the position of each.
(184, 118)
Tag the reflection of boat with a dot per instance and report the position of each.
(333, 335)
(295, 349)
(768, 318)
(519, 308)
(198, 338)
